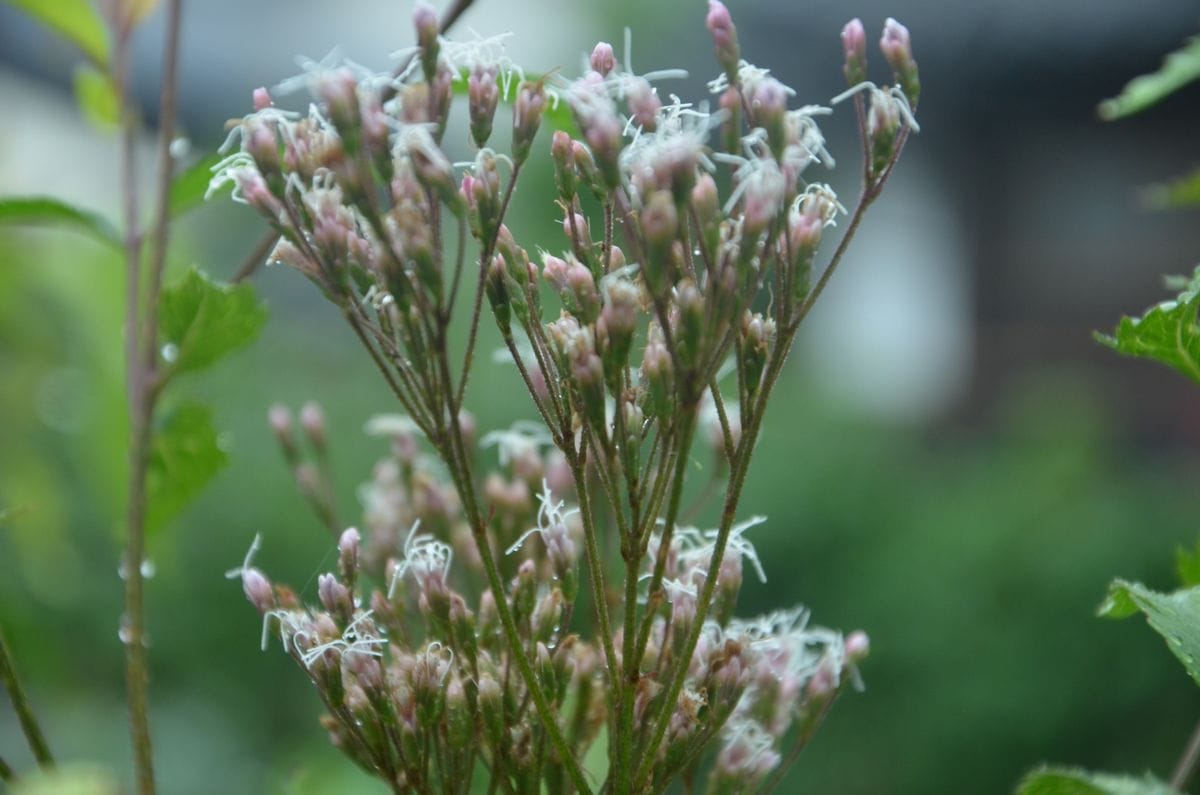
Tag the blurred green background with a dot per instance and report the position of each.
(950, 463)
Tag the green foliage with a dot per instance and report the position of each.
(1175, 616)
(1179, 68)
(77, 20)
(1181, 192)
(1187, 565)
(1166, 333)
(1068, 781)
(190, 185)
(97, 97)
(202, 321)
(184, 456)
(39, 210)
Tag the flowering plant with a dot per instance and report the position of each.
(448, 639)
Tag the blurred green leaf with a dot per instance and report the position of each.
(1167, 333)
(1175, 616)
(73, 779)
(1182, 192)
(77, 20)
(184, 457)
(97, 97)
(1179, 68)
(190, 185)
(1067, 781)
(1187, 566)
(41, 210)
(202, 321)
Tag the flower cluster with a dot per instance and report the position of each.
(449, 638)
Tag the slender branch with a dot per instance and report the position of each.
(1187, 761)
(6, 772)
(141, 344)
(256, 257)
(457, 462)
(803, 736)
(485, 258)
(29, 724)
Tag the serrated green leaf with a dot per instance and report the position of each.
(1175, 616)
(190, 185)
(1179, 68)
(77, 20)
(202, 321)
(1073, 781)
(184, 457)
(97, 98)
(43, 210)
(1182, 192)
(1187, 566)
(1166, 333)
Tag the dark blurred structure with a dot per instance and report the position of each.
(954, 464)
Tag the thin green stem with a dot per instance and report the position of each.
(459, 466)
(21, 706)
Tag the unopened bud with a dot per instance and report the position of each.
(482, 96)
(348, 545)
(527, 118)
(262, 99)
(603, 60)
(897, 49)
(258, 590)
(854, 47)
(312, 420)
(643, 104)
(858, 646)
(724, 36)
(280, 419)
(426, 22)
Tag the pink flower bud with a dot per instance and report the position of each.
(643, 104)
(258, 590)
(554, 270)
(280, 419)
(603, 60)
(724, 36)
(854, 47)
(312, 420)
(858, 646)
(482, 96)
(897, 49)
(262, 99)
(348, 545)
(527, 117)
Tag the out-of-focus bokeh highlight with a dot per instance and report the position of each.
(951, 463)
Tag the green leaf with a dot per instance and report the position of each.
(1187, 566)
(97, 97)
(184, 457)
(1072, 781)
(77, 20)
(1175, 616)
(1182, 192)
(43, 210)
(1179, 68)
(1166, 333)
(202, 321)
(190, 185)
